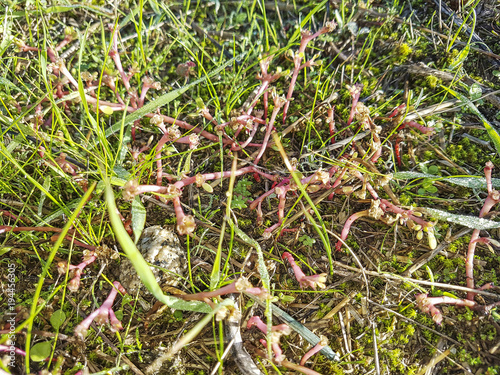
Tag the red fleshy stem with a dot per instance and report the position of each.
(260, 216)
(427, 305)
(416, 125)
(206, 113)
(276, 333)
(66, 166)
(487, 174)
(369, 187)
(337, 182)
(259, 200)
(281, 329)
(397, 150)
(287, 364)
(266, 80)
(377, 146)
(399, 109)
(323, 342)
(355, 92)
(304, 281)
(278, 103)
(487, 286)
(257, 322)
(186, 126)
(6, 213)
(347, 226)
(491, 200)
(103, 314)
(7, 348)
(115, 56)
(405, 214)
(278, 353)
(67, 39)
(297, 59)
(331, 123)
(74, 283)
(237, 147)
(133, 188)
(185, 223)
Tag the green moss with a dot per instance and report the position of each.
(170, 221)
(403, 51)
(432, 81)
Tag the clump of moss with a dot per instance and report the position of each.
(432, 81)
(403, 51)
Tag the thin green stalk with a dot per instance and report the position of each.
(215, 275)
(45, 269)
(5, 152)
(264, 276)
(321, 230)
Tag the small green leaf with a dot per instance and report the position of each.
(286, 299)
(178, 315)
(187, 164)
(427, 184)
(207, 187)
(238, 202)
(40, 351)
(307, 241)
(243, 188)
(138, 217)
(106, 109)
(57, 319)
(122, 173)
(432, 189)
(199, 103)
(433, 169)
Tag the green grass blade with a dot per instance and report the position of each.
(140, 265)
(495, 137)
(320, 229)
(48, 263)
(473, 182)
(467, 221)
(5, 152)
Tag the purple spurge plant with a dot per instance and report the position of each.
(103, 314)
(312, 281)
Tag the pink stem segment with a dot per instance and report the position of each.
(304, 281)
